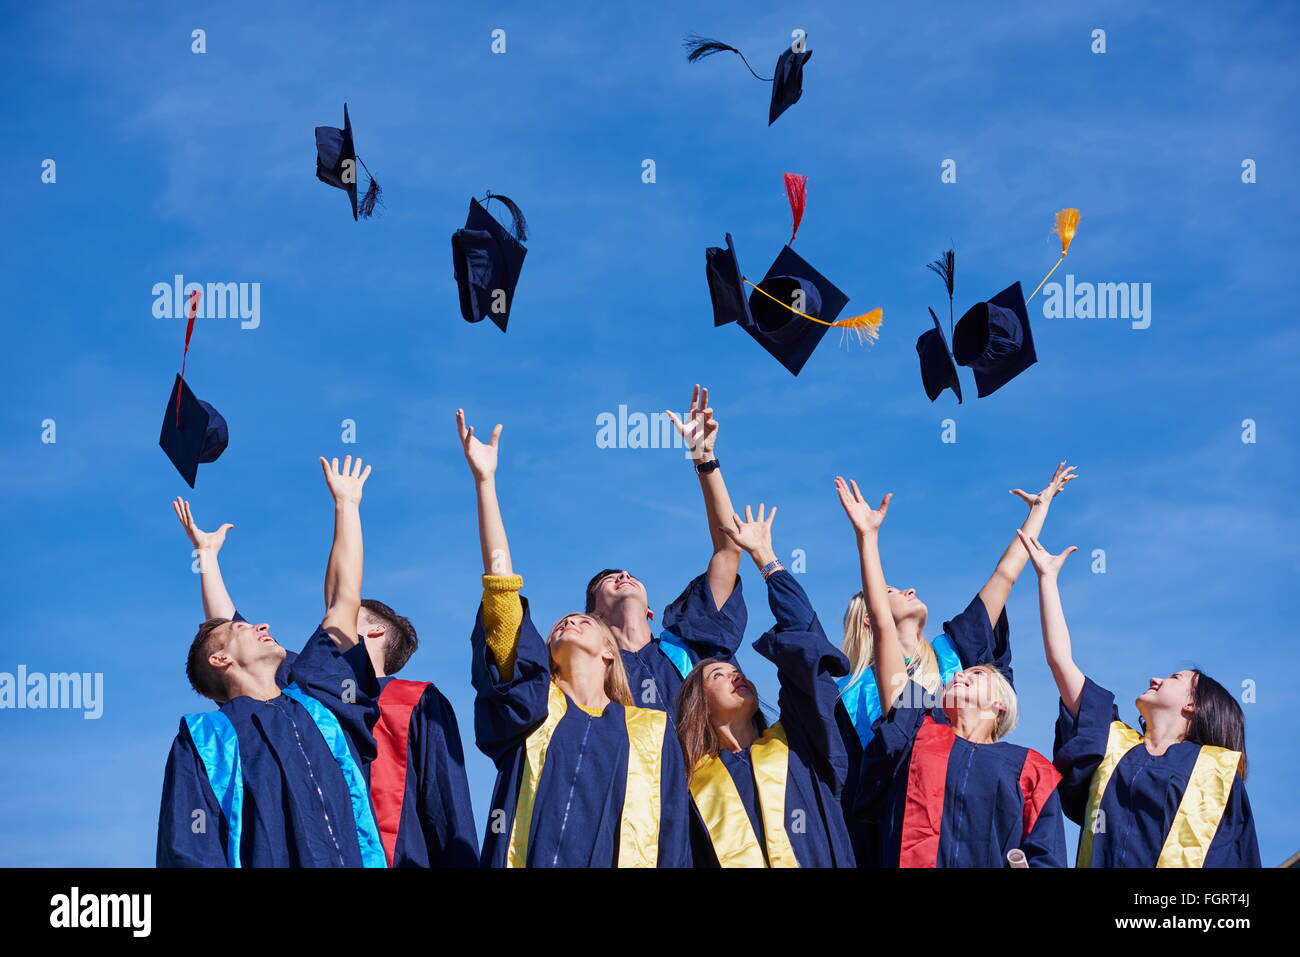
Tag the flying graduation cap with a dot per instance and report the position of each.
(938, 371)
(994, 337)
(786, 79)
(487, 259)
(336, 165)
(192, 430)
(788, 333)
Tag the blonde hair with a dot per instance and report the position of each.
(1006, 695)
(923, 668)
(616, 686)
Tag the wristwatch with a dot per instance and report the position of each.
(704, 468)
(771, 567)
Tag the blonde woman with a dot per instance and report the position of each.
(584, 779)
(937, 780)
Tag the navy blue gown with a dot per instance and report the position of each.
(789, 781)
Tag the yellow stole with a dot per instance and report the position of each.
(638, 844)
(723, 813)
(1199, 812)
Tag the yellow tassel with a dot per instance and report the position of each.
(865, 327)
(1067, 221)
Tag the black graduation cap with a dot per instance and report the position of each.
(336, 164)
(789, 337)
(938, 372)
(786, 80)
(192, 433)
(995, 340)
(488, 259)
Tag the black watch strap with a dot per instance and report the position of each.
(704, 468)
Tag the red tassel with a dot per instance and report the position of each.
(796, 189)
(193, 311)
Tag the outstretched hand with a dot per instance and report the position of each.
(1045, 563)
(205, 541)
(482, 458)
(753, 535)
(700, 430)
(1062, 477)
(865, 519)
(345, 483)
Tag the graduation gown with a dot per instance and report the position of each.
(694, 628)
(417, 780)
(777, 803)
(1185, 808)
(939, 800)
(966, 641)
(573, 789)
(293, 793)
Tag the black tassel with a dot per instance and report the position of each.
(519, 225)
(945, 267)
(698, 47)
(368, 202)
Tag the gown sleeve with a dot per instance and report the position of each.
(979, 642)
(806, 666)
(508, 709)
(695, 622)
(345, 683)
(887, 752)
(446, 815)
(186, 790)
(1081, 744)
(1235, 843)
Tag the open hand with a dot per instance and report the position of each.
(204, 541)
(345, 484)
(700, 430)
(482, 458)
(1062, 477)
(1045, 563)
(753, 535)
(865, 519)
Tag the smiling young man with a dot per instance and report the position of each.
(707, 620)
(273, 778)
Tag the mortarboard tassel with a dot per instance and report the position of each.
(796, 190)
(945, 267)
(1067, 222)
(193, 312)
(865, 326)
(518, 225)
(697, 48)
(368, 202)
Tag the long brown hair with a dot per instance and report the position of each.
(616, 686)
(694, 729)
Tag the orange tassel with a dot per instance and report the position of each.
(1067, 221)
(865, 327)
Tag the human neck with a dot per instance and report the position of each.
(259, 685)
(736, 734)
(909, 637)
(629, 625)
(970, 725)
(1163, 731)
(376, 653)
(582, 678)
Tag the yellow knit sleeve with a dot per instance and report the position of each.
(503, 613)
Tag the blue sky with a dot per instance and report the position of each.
(171, 162)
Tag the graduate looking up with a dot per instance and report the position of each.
(584, 778)
(707, 620)
(979, 635)
(767, 796)
(1170, 795)
(418, 786)
(937, 780)
(273, 777)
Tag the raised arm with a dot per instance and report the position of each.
(343, 571)
(700, 431)
(482, 460)
(997, 589)
(217, 602)
(1056, 635)
(891, 668)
